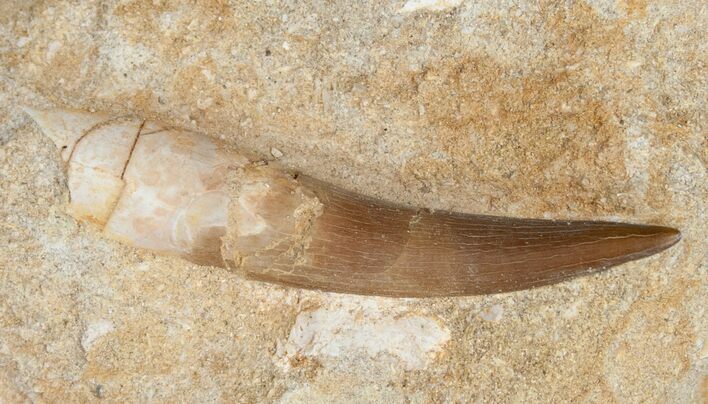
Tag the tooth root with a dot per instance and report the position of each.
(65, 127)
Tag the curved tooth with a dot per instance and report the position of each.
(65, 127)
(355, 244)
(182, 193)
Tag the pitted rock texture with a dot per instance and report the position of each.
(578, 110)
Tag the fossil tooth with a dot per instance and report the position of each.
(182, 193)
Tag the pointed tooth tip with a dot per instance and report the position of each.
(43, 119)
(27, 109)
(660, 238)
(39, 116)
(64, 126)
(31, 111)
(667, 236)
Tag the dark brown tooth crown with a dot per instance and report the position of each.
(363, 246)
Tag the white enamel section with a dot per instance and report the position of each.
(93, 192)
(65, 127)
(142, 218)
(95, 169)
(205, 212)
(179, 162)
(251, 198)
(174, 191)
(108, 147)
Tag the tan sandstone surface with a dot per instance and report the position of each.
(582, 109)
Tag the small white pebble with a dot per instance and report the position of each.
(493, 313)
(276, 153)
(95, 331)
(429, 5)
(52, 49)
(205, 103)
(246, 123)
(22, 41)
(633, 64)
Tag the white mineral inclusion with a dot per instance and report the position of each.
(494, 313)
(209, 209)
(342, 332)
(250, 223)
(94, 331)
(430, 5)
